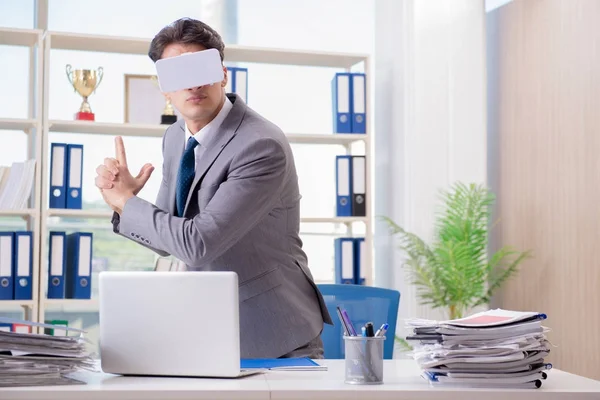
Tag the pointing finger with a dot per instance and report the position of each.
(120, 151)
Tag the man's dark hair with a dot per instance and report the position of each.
(185, 31)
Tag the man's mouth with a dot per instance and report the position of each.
(196, 98)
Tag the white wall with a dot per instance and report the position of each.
(430, 123)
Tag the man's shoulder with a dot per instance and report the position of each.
(255, 127)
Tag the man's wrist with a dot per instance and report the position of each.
(120, 205)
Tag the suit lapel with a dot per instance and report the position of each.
(177, 151)
(227, 131)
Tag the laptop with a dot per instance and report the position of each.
(182, 324)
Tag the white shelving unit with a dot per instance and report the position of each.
(32, 127)
(137, 46)
(126, 129)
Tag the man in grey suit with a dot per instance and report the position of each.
(228, 201)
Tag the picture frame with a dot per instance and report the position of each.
(144, 102)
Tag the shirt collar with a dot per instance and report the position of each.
(204, 135)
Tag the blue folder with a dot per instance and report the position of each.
(282, 364)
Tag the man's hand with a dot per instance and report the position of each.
(116, 183)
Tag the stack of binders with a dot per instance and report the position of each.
(66, 164)
(70, 265)
(349, 258)
(351, 192)
(350, 117)
(16, 261)
(492, 349)
(349, 102)
(237, 82)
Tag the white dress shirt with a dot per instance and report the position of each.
(204, 135)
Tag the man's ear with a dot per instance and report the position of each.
(225, 77)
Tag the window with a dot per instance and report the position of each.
(16, 14)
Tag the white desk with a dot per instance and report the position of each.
(402, 382)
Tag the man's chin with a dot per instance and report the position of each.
(196, 113)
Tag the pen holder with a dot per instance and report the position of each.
(364, 360)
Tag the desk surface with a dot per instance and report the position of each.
(401, 381)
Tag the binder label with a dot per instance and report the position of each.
(5, 259)
(359, 96)
(343, 177)
(23, 257)
(56, 263)
(58, 172)
(343, 95)
(347, 261)
(85, 248)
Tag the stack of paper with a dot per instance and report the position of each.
(28, 359)
(495, 348)
(16, 183)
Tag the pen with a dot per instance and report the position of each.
(381, 331)
(339, 313)
(364, 331)
(351, 330)
(369, 328)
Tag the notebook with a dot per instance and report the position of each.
(282, 364)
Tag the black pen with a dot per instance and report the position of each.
(369, 329)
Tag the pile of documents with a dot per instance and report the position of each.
(492, 349)
(28, 359)
(16, 183)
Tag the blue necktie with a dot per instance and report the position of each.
(185, 176)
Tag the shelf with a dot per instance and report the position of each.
(19, 37)
(71, 305)
(17, 124)
(27, 212)
(125, 129)
(7, 304)
(233, 53)
(291, 57)
(334, 138)
(333, 220)
(69, 213)
(107, 128)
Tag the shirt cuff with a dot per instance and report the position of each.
(116, 220)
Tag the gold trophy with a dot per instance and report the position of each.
(168, 116)
(85, 82)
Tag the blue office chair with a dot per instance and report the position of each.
(363, 304)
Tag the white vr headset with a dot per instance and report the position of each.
(189, 70)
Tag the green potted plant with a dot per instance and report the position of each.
(454, 272)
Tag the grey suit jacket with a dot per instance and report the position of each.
(242, 215)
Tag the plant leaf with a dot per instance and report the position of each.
(497, 278)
